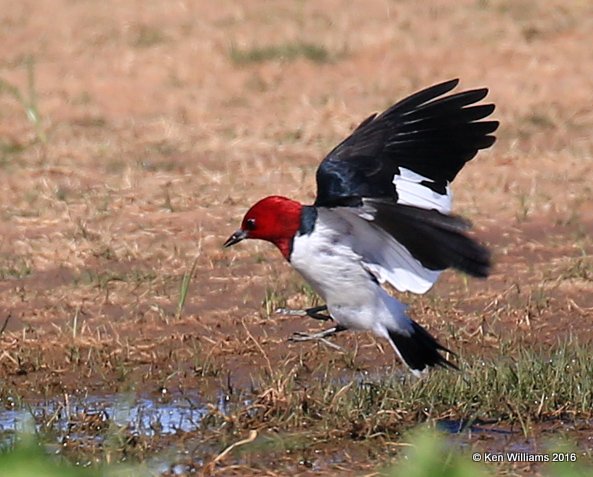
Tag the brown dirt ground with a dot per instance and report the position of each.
(158, 141)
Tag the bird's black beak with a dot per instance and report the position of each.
(235, 238)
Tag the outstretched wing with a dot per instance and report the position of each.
(410, 152)
(390, 180)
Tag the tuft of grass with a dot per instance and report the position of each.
(311, 297)
(147, 36)
(524, 208)
(8, 150)
(29, 100)
(273, 300)
(15, 268)
(288, 411)
(184, 288)
(203, 363)
(283, 52)
(102, 279)
(531, 387)
(580, 268)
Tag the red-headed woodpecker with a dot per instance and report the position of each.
(383, 214)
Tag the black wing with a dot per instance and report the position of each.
(428, 133)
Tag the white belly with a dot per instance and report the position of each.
(326, 260)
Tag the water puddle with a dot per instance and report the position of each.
(501, 437)
(75, 417)
(460, 426)
(169, 431)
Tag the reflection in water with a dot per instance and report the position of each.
(144, 416)
(457, 426)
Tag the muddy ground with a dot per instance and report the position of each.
(161, 122)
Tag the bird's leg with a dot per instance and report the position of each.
(314, 312)
(321, 336)
(300, 336)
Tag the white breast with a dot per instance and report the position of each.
(325, 259)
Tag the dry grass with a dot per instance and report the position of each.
(297, 413)
(156, 141)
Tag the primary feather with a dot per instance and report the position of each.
(428, 134)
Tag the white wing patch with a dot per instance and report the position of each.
(411, 191)
(383, 256)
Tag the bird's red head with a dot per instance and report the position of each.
(275, 219)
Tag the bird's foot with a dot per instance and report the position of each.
(310, 312)
(290, 312)
(321, 336)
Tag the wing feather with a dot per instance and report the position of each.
(411, 252)
(427, 133)
(390, 181)
(385, 258)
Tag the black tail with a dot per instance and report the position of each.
(419, 349)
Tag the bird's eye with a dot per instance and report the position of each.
(250, 224)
